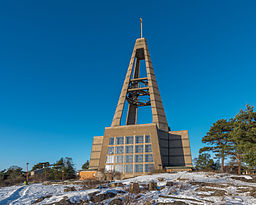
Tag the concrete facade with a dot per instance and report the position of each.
(96, 152)
(129, 165)
(135, 149)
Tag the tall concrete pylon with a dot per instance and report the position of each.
(135, 86)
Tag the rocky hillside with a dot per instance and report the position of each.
(176, 188)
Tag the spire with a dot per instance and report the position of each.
(135, 86)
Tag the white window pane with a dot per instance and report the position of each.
(119, 168)
(109, 168)
(110, 159)
(110, 150)
(119, 159)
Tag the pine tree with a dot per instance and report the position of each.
(244, 137)
(218, 140)
(40, 165)
(204, 162)
(69, 170)
(63, 169)
(2, 174)
(236, 150)
(57, 169)
(86, 165)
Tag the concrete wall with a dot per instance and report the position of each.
(179, 149)
(96, 152)
(175, 148)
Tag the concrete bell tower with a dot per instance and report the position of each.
(135, 149)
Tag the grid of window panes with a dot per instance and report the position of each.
(130, 154)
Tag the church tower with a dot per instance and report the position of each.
(135, 149)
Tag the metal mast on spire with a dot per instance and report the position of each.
(141, 27)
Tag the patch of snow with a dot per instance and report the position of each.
(74, 196)
(244, 176)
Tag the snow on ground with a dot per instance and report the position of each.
(9, 192)
(191, 176)
(73, 196)
(28, 194)
(187, 187)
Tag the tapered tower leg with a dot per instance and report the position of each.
(120, 106)
(132, 109)
(157, 107)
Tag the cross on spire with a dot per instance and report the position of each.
(141, 27)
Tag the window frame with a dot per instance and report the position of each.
(110, 159)
(111, 148)
(121, 166)
(138, 170)
(129, 137)
(120, 157)
(146, 139)
(146, 149)
(118, 150)
(110, 141)
(137, 139)
(130, 156)
(139, 146)
(139, 158)
(147, 157)
(126, 150)
(118, 139)
(130, 166)
(146, 167)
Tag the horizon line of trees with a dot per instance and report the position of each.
(233, 139)
(62, 169)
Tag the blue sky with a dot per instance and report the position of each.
(62, 65)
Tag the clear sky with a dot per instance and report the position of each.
(62, 65)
